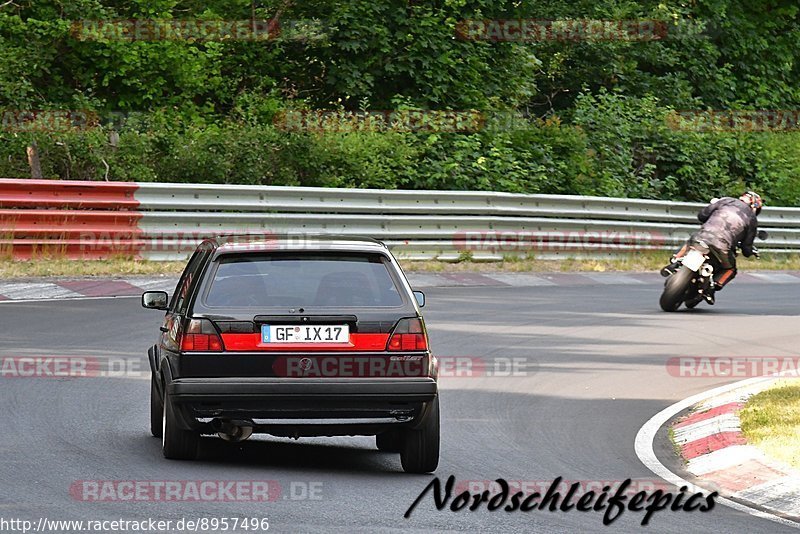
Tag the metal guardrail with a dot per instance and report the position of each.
(175, 197)
(166, 221)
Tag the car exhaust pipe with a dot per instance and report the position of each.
(233, 431)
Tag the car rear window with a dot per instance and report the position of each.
(298, 280)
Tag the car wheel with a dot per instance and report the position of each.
(389, 441)
(420, 452)
(176, 443)
(156, 410)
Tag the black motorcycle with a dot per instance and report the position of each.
(690, 279)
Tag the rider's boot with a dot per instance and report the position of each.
(674, 264)
(670, 269)
(723, 278)
(709, 296)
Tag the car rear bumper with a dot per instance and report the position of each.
(287, 389)
(346, 400)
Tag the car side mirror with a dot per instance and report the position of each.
(420, 296)
(155, 300)
(762, 235)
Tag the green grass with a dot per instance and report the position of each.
(771, 422)
(79, 268)
(676, 448)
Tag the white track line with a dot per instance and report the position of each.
(646, 436)
(613, 279)
(425, 280)
(15, 291)
(165, 284)
(520, 280)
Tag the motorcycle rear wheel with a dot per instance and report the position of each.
(675, 290)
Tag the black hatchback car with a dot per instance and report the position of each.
(294, 337)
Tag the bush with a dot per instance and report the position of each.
(640, 153)
(616, 146)
(538, 157)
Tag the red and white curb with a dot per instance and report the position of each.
(718, 456)
(716, 451)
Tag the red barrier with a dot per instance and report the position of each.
(68, 219)
(67, 194)
(42, 223)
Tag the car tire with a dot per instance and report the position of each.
(420, 452)
(389, 441)
(177, 443)
(156, 410)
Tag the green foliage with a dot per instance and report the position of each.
(640, 153)
(537, 157)
(598, 111)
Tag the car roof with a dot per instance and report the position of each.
(269, 242)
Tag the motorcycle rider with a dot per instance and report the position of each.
(727, 222)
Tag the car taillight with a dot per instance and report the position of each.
(200, 336)
(409, 334)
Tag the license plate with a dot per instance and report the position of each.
(694, 260)
(272, 333)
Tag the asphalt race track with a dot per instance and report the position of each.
(594, 372)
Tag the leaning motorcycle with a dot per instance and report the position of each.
(693, 278)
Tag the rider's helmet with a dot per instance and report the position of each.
(753, 200)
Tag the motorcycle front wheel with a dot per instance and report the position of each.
(675, 289)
